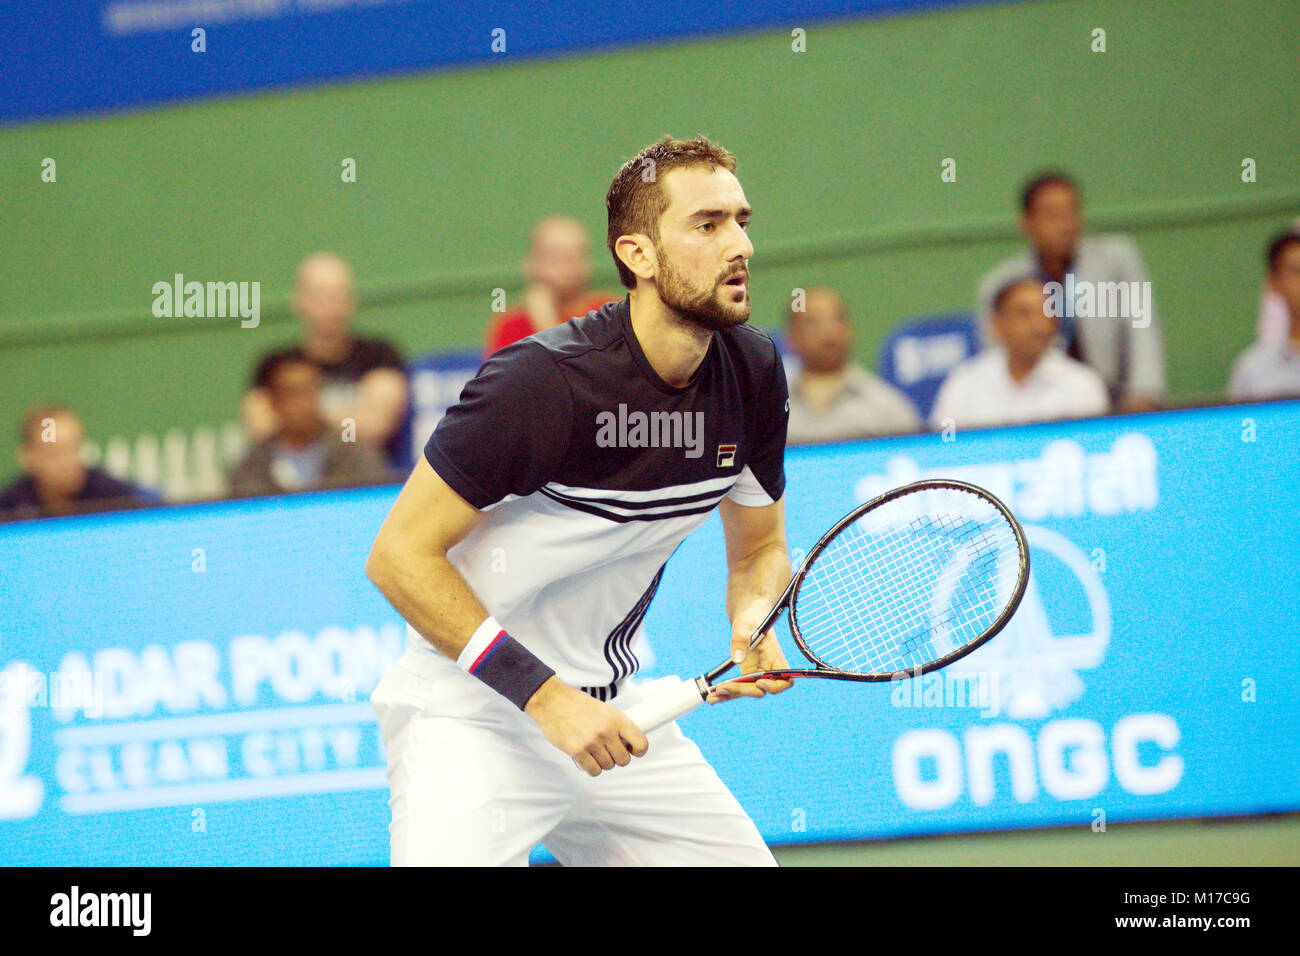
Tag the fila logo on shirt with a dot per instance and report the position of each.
(726, 456)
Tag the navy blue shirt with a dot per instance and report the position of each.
(101, 492)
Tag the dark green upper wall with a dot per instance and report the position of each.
(839, 153)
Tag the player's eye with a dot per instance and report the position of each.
(708, 226)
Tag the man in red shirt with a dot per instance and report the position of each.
(558, 269)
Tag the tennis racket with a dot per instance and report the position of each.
(901, 586)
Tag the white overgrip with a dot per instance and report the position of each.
(665, 704)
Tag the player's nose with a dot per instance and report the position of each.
(739, 246)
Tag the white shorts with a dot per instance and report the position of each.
(475, 783)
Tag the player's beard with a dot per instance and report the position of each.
(703, 308)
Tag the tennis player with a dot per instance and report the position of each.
(528, 543)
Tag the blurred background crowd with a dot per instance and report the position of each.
(960, 252)
(331, 408)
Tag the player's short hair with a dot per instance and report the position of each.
(636, 198)
(29, 426)
(1278, 246)
(1006, 288)
(1039, 181)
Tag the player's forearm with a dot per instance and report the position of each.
(435, 599)
(430, 594)
(757, 581)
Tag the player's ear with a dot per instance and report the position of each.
(638, 253)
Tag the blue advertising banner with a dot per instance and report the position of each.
(77, 56)
(436, 382)
(189, 685)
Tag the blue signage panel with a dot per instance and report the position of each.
(76, 56)
(189, 684)
(1146, 674)
(436, 383)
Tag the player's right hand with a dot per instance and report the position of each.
(597, 736)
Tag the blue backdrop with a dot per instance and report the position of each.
(76, 56)
(189, 684)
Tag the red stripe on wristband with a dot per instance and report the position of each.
(509, 669)
(496, 641)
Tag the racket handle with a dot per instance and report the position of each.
(664, 705)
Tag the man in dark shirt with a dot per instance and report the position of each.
(56, 481)
(362, 379)
(305, 453)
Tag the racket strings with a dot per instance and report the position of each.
(894, 595)
(908, 582)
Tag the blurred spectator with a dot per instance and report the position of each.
(56, 480)
(832, 398)
(558, 269)
(1130, 360)
(1270, 368)
(1274, 320)
(305, 453)
(361, 379)
(1025, 377)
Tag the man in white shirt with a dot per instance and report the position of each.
(833, 398)
(1270, 369)
(1103, 293)
(1024, 378)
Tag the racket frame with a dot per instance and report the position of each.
(788, 599)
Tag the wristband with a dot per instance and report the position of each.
(501, 662)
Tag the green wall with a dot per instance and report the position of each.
(839, 149)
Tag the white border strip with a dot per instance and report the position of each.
(250, 788)
(208, 725)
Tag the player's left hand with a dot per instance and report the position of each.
(766, 656)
